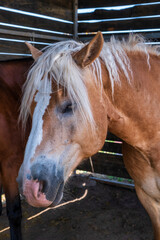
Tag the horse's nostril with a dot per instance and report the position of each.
(43, 186)
(40, 186)
(29, 176)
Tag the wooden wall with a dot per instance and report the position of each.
(138, 18)
(57, 9)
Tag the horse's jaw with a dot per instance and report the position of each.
(42, 182)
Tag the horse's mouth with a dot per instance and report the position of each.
(59, 196)
(36, 195)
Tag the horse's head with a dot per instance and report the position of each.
(67, 103)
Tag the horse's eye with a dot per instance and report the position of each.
(66, 107)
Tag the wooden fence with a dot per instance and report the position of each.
(39, 22)
(119, 18)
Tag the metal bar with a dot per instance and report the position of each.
(112, 141)
(75, 19)
(23, 41)
(105, 179)
(91, 21)
(122, 31)
(32, 35)
(111, 153)
(152, 35)
(16, 54)
(33, 29)
(114, 182)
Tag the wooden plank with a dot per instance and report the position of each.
(9, 57)
(57, 8)
(112, 147)
(28, 21)
(124, 13)
(75, 14)
(31, 35)
(14, 50)
(110, 3)
(12, 47)
(6, 39)
(120, 25)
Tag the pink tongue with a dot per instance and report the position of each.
(34, 197)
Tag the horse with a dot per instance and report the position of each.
(12, 140)
(74, 93)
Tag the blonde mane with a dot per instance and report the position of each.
(57, 63)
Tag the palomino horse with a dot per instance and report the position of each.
(12, 143)
(75, 92)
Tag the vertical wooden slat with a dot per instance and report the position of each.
(75, 19)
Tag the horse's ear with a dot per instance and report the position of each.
(34, 51)
(90, 52)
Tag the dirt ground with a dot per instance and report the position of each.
(104, 213)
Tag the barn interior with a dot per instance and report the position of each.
(43, 23)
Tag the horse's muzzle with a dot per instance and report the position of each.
(43, 186)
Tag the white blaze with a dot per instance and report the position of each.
(36, 134)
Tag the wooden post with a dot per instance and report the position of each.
(75, 19)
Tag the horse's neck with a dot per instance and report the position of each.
(135, 110)
(14, 73)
